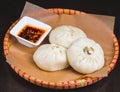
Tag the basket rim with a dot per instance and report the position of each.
(65, 84)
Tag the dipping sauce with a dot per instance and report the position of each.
(31, 33)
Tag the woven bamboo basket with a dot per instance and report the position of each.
(67, 84)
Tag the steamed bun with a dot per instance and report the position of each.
(51, 57)
(64, 35)
(85, 56)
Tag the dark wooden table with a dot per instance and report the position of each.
(10, 10)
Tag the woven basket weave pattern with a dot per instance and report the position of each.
(60, 85)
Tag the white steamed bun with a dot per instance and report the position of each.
(51, 57)
(64, 35)
(85, 56)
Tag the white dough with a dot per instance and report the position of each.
(85, 56)
(64, 35)
(51, 57)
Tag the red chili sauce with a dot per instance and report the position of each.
(31, 33)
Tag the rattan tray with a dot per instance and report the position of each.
(67, 84)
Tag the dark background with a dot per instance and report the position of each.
(10, 10)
